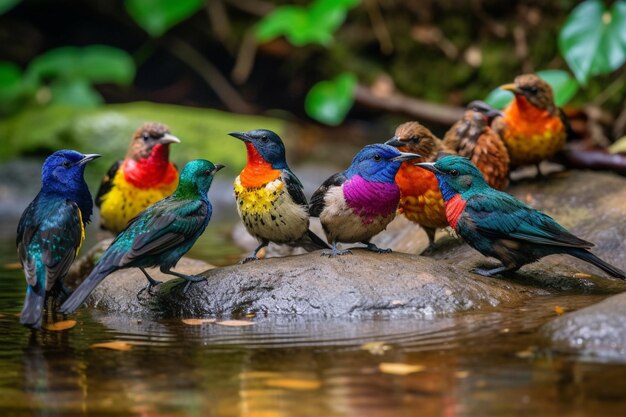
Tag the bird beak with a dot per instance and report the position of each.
(217, 168)
(405, 156)
(395, 141)
(428, 166)
(493, 113)
(88, 157)
(240, 135)
(509, 87)
(168, 138)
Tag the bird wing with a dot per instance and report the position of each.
(317, 200)
(498, 215)
(60, 234)
(294, 187)
(107, 182)
(164, 227)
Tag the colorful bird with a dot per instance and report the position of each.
(420, 199)
(496, 224)
(473, 138)
(532, 126)
(358, 203)
(52, 229)
(270, 200)
(160, 235)
(142, 178)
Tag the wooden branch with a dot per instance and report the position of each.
(595, 159)
(398, 103)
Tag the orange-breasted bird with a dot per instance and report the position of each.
(473, 138)
(420, 198)
(142, 178)
(532, 126)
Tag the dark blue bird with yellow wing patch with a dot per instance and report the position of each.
(496, 224)
(160, 235)
(52, 229)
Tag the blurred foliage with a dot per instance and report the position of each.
(157, 16)
(6, 5)
(593, 39)
(563, 85)
(316, 23)
(330, 101)
(108, 130)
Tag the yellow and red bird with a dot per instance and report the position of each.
(420, 198)
(532, 126)
(142, 178)
(473, 138)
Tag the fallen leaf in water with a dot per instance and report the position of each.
(250, 315)
(115, 345)
(399, 368)
(559, 310)
(375, 348)
(582, 275)
(12, 266)
(197, 322)
(294, 383)
(235, 323)
(527, 353)
(60, 325)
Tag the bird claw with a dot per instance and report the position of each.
(489, 272)
(373, 248)
(191, 279)
(249, 259)
(337, 252)
(148, 287)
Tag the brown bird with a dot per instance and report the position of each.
(473, 138)
(142, 178)
(532, 126)
(420, 198)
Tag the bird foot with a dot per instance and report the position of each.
(489, 272)
(374, 248)
(190, 280)
(430, 250)
(148, 287)
(249, 259)
(336, 252)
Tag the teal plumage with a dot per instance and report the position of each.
(160, 235)
(498, 225)
(51, 229)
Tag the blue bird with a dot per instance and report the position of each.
(52, 229)
(158, 236)
(358, 203)
(496, 224)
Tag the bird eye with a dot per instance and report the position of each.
(415, 139)
(376, 157)
(264, 138)
(67, 164)
(532, 89)
(146, 137)
(454, 173)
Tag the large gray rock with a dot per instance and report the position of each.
(368, 283)
(598, 331)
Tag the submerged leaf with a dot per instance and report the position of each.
(235, 323)
(60, 325)
(394, 368)
(197, 322)
(294, 383)
(114, 345)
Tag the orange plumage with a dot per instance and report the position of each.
(531, 126)
(420, 198)
(472, 138)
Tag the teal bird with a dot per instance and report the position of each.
(497, 225)
(270, 200)
(52, 229)
(160, 235)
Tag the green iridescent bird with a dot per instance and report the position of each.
(496, 224)
(160, 235)
(52, 229)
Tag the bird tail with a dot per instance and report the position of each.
(310, 242)
(85, 288)
(587, 256)
(32, 313)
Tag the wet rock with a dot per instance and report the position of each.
(598, 331)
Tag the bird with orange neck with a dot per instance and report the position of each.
(532, 126)
(473, 138)
(420, 198)
(142, 178)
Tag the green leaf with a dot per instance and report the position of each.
(563, 85)
(283, 20)
(75, 93)
(95, 63)
(329, 101)
(593, 39)
(157, 16)
(6, 5)
(10, 81)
